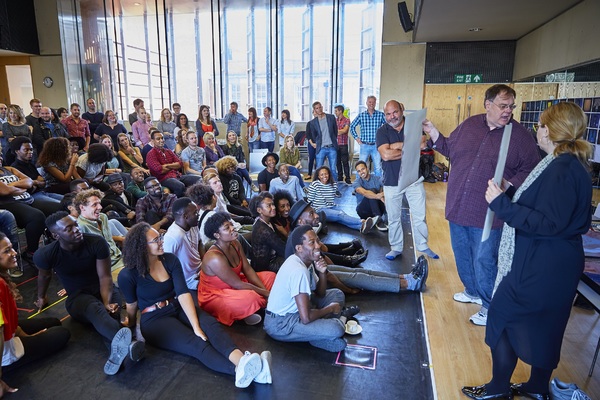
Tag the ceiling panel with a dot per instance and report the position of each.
(450, 20)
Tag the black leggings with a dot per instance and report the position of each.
(41, 345)
(88, 308)
(170, 329)
(504, 361)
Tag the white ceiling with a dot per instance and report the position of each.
(450, 20)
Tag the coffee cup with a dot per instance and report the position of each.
(352, 326)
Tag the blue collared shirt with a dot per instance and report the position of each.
(234, 122)
(368, 125)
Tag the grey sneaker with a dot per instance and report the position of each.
(248, 368)
(367, 225)
(566, 391)
(119, 349)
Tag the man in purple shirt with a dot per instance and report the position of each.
(473, 149)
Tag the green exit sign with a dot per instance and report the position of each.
(468, 78)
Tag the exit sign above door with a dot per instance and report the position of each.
(468, 78)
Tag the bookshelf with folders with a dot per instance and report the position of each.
(531, 110)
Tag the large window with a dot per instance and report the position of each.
(284, 54)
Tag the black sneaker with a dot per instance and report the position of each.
(350, 311)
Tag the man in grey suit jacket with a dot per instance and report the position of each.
(322, 130)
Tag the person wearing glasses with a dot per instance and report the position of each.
(153, 282)
(473, 148)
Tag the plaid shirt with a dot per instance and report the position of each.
(164, 210)
(368, 126)
(341, 123)
(156, 158)
(77, 129)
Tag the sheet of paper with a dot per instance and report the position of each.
(413, 130)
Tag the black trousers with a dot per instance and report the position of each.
(343, 163)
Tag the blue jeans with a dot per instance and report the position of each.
(49, 197)
(476, 262)
(294, 171)
(253, 146)
(319, 333)
(331, 154)
(267, 145)
(367, 150)
(334, 214)
(8, 226)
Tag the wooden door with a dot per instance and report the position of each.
(445, 106)
(475, 99)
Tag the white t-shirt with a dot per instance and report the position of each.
(292, 279)
(185, 246)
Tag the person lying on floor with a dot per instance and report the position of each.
(26, 340)
(82, 263)
(349, 254)
(153, 282)
(300, 285)
(353, 280)
(230, 290)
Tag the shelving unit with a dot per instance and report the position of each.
(531, 110)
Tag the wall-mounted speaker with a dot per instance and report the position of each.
(405, 20)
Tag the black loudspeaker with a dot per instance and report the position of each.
(405, 20)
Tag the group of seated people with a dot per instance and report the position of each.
(178, 240)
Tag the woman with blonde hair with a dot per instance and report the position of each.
(205, 124)
(15, 126)
(212, 149)
(290, 154)
(540, 258)
(167, 126)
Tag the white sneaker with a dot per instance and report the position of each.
(462, 297)
(265, 373)
(249, 366)
(479, 318)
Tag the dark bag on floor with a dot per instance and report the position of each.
(440, 171)
(426, 165)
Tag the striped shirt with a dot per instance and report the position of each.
(368, 126)
(320, 195)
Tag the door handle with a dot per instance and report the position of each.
(457, 114)
(468, 110)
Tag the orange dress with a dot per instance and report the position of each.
(227, 304)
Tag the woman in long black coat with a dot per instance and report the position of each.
(541, 257)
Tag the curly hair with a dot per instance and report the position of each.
(54, 218)
(281, 195)
(83, 196)
(256, 202)
(316, 175)
(99, 153)
(4, 275)
(200, 194)
(225, 163)
(55, 150)
(135, 248)
(214, 223)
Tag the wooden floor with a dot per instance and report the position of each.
(459, 354)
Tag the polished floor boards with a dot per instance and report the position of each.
(459, 354)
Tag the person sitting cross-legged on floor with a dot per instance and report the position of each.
(300, 285)
(229, 288)
(353, 280)
(153, 282)
(82, 263)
